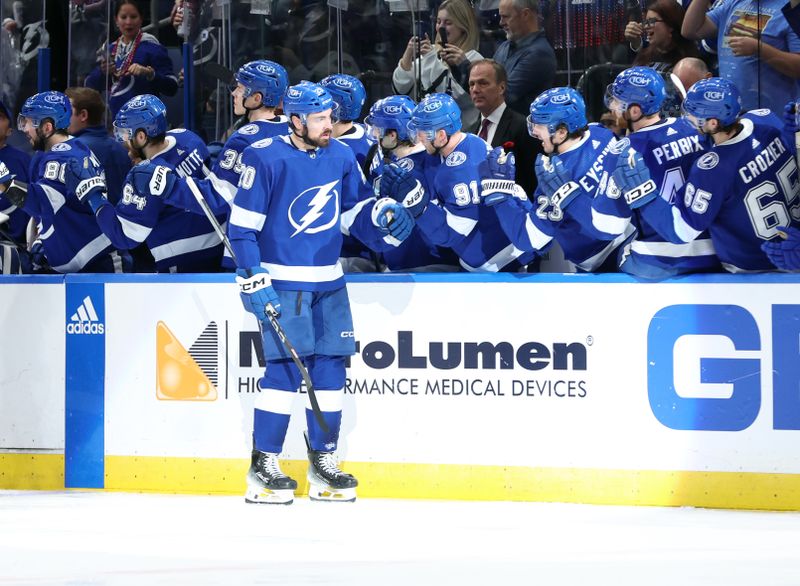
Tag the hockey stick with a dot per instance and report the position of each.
(272, 315)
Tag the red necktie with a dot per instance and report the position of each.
(484, 131)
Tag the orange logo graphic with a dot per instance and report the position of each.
(183, 375)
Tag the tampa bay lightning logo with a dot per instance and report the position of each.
(708, 161)
(315, 210)
(249, 129)
(620, 146)
(761, 112)
(405, 163)
(60, 147)
(260, 144)
(455, 158)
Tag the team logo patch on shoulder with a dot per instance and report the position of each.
(760, 112)
(620, 146)
(61, 147)
(455, 158)
(260, 144)
(406, 164)
(248, 129)
(708, 161)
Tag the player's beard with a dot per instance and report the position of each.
(40, 142)
(321, 141)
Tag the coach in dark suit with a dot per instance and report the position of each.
(498, 123)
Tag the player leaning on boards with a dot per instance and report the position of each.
(286, 228)
(69, 239)
(743, 191)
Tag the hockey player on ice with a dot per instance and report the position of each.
(68, 235)
(180, 241)
(447, 208)
(297, 195)
(743, 191)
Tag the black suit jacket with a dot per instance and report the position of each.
(513, 127)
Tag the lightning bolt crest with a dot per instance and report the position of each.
(315, 208)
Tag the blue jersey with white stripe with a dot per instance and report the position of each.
(588, 164)
(291, 209)
(219, 187)
(179, 241)
(669, 148)
(742, 192)
(71, 238)
(415, 253)
(455, 217)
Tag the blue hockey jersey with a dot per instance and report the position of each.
(71, 239)
(18, 163)
(669, 148)
(455, 217)
(525, 223)
(218, 188)
(416, 253)
(358, 140)
(292, 208)
(742, 192)
(179, 241)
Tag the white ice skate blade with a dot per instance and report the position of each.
(264, 496)
(323, 492)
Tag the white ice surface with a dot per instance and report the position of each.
(96, 538)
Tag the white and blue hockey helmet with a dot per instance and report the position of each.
(712, 98)
(556, 107)
(46, 105)
(145, 112)
(640, 86)
(435, 112)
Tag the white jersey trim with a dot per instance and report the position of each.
(697, 248)
(84, 255)
(225, 188)
(610, 224)
(304, 274)
(55, 197)
(330, 401)
(247, 219)
(134, 231)
(348, 217)
(498, 261)
(460, 224)
(536, 237)
(595, 261)
(185, 246)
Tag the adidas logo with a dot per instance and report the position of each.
(755, 144)
(85, 319)
(180, 152)
(595, 144)
(671, 132)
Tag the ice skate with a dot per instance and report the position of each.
(326, 482)
(266, 484)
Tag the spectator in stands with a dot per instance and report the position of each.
(17, 162)
(86, 124)
(443, 68)
(527, 56)
(500, 124)
(135, 64)
(662, 29)
(757, 48)
(687, 72)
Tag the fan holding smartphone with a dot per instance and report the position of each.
(444, 63)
